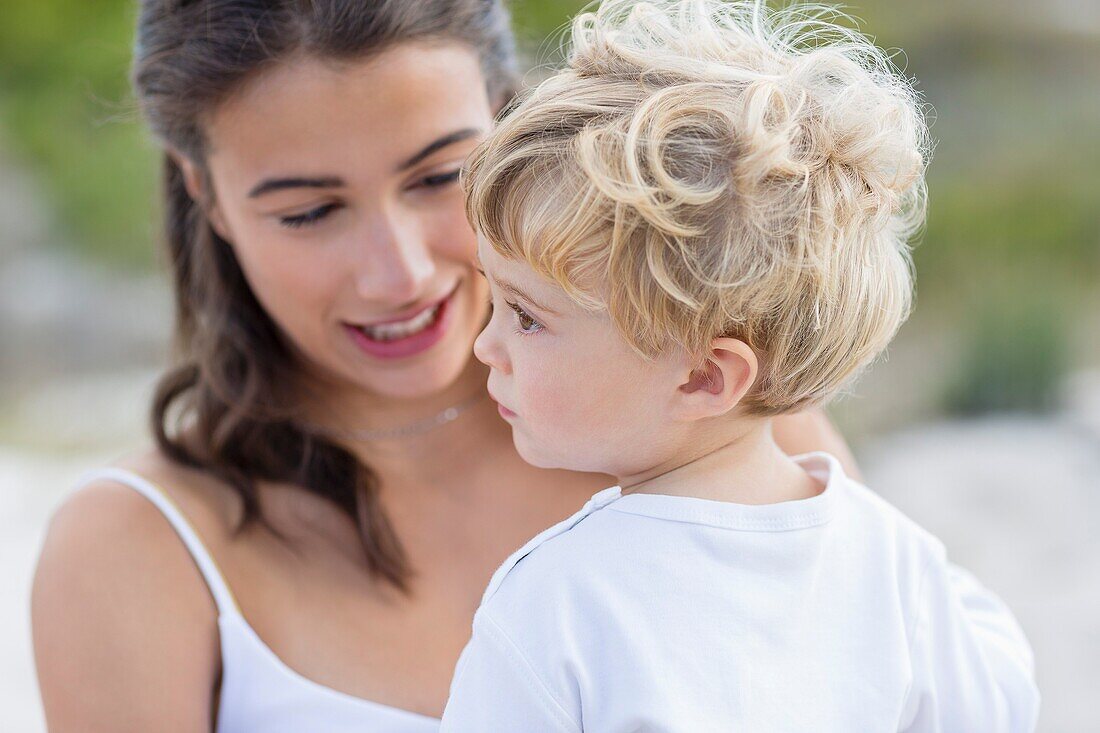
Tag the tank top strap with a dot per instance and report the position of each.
(219, 589)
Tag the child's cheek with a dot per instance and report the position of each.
(549, 396)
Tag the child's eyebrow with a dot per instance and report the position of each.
(517, 292)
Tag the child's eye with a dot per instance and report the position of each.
(527, 325)
(310, 217)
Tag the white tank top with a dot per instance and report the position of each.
(258, 691)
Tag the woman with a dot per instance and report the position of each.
(330, 488)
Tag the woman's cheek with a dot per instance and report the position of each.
(452, 237)
(288, 283)
(295, 287)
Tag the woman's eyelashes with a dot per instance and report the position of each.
(440, 180)
(312, 216)
(525, 323)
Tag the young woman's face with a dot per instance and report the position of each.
(336, 184)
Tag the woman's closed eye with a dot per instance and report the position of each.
(440, 180)
(314, 215)
(525, 323)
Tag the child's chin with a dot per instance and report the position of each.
(542, 456)
(534, 454)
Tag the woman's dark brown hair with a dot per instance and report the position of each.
(221, 408)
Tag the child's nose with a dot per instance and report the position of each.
(488, 349)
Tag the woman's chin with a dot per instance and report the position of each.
(417, 381)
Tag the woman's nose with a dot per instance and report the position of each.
(395, 263)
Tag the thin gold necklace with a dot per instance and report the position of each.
(419, 427)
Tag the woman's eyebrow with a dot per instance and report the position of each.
(448, 139)
(279, 184)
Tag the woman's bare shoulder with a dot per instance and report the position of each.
(119, 607)
(105, 518)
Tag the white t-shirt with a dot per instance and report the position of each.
(661, 613)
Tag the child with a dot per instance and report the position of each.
(699, 224)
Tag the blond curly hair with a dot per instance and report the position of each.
(704, 168)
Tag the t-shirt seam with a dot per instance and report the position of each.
(912, 632)
(802, 521)
(918, 617)
(511, 649)
(492, 590)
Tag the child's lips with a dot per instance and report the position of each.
(504, 411)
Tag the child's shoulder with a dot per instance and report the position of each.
(610, 556)
(559, 584)
(561, 557)
(892, 552)
(867, 513)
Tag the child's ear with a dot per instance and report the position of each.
(715, 386)
(197, 184)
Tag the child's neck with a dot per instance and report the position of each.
(746, 468)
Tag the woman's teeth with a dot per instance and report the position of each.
(402, 329)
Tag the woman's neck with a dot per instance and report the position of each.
(413, 439)
(343, 408)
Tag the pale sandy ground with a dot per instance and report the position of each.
(1016, 500)
(1018, 503)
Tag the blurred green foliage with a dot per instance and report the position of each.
(1015, 199)
(1015, 352)
(64, 110)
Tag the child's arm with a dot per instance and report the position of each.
(973, 667)
(497, 689)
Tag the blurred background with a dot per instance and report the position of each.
(983, 423)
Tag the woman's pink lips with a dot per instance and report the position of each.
(410, 345)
